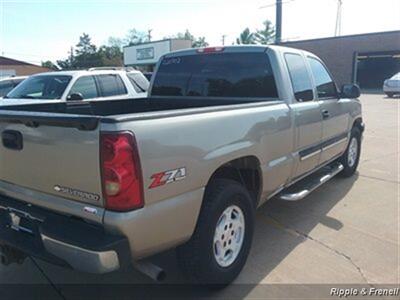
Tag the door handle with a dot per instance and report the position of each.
(12, 139)
(325, 114)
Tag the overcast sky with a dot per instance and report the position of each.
(35, 30)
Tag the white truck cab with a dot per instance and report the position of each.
(93, 84)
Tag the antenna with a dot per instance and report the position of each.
(338, 26)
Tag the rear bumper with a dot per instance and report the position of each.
(61, 240)
(391, 89)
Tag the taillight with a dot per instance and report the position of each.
(210, 49)
(121, 172)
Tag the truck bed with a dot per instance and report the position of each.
(85, 115)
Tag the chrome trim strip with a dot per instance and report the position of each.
(334, 144)
(310, 155)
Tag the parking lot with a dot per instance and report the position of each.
(346, 232)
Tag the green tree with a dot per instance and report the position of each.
(86, 54)
(135, 37)
(196, 42)
(110, 56)
(246, 37)
(48, 64)
(266, 35)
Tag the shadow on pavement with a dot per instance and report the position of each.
(271, 245)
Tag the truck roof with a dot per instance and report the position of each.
(236, 48)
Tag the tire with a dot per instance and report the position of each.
(390, 95)
(198, 257)
(350, 161)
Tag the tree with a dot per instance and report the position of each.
(48, 64)
(110, 56)
(86, 54)
(196, 42)
(246, 37)
(85, 46)
(266, 35)
(135, 37)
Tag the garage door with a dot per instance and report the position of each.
(374, 68)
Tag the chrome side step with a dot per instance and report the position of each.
(305, 186)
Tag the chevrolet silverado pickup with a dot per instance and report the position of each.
(96, 186)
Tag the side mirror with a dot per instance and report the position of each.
(75, 97)
(350, 91)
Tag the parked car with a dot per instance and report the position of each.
(100, 185)
(8, 83)
(391, 86)
(94, 85)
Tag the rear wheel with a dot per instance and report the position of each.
(219, 247)
(351, 157)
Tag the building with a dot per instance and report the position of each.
(365, 59)
(13, 67)
(145, 56)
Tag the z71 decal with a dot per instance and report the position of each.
(163, 178)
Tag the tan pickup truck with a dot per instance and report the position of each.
(96, 186)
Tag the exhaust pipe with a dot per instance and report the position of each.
(150, 269)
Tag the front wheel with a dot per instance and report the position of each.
(219, 247)
(351, 157)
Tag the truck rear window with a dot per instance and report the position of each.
(216, 75)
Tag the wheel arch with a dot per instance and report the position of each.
(245, 170)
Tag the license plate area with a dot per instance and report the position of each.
(19, 221)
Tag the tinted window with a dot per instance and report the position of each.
(111, 85)
(325, 86)
(85, 86)
(301, 82)
(5, 87)
(216, 75)
(41, 87)
(139, 82)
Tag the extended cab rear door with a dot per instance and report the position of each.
(307, 114)
(335, 116)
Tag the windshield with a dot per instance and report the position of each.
(216, 75)
(139, 82)
(41, 87)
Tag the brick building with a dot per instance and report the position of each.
(13, 67)
(366, 59)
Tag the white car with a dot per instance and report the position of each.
(391, 86)
(8, 83)
(93, 84)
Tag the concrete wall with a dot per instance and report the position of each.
(21, 70)
(339, 52)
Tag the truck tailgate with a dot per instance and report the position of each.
(57, 155)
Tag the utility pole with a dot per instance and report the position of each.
(338, 26)
(149, 34)
(278, 25)
(223, 39)
(71, 57)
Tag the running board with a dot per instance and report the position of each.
(304, 187)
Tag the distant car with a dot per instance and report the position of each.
(7, 84)
(93, 84)
(391, 86)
